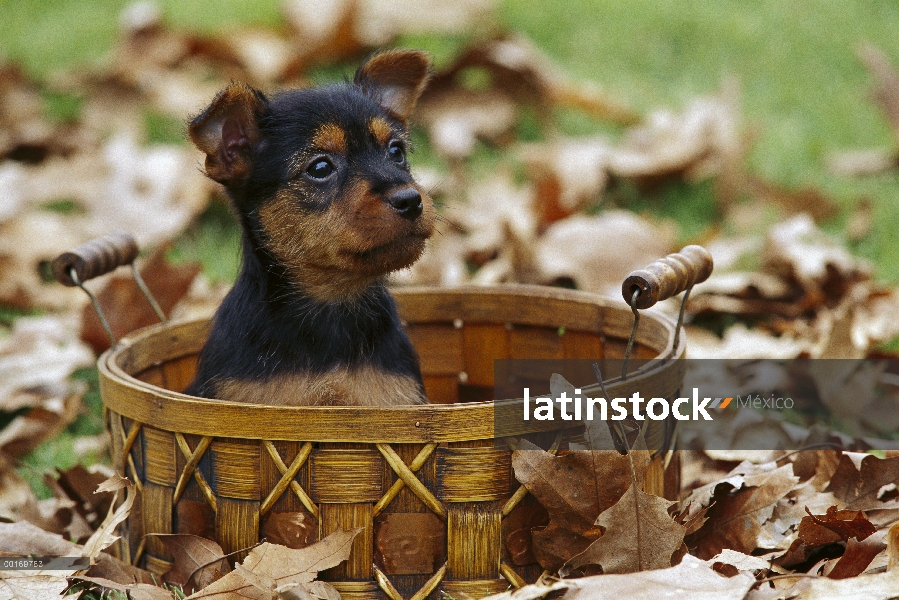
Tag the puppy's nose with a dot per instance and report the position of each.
(407, 202)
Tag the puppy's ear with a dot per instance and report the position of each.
(395, 79)
(228, 131)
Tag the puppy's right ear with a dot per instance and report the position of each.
(228, 131)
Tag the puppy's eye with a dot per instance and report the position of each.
(397, 152)
(320, 168)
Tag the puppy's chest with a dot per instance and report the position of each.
(341, 386)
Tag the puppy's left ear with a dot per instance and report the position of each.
(395, 79)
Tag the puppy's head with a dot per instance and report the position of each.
(320, 176)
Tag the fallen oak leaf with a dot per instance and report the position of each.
(282, 565)
(879, 586)
(730, 562)
(588, 250)
(112, 568)
(639, 535)
(574, 489)
(133, 591)
(736, 519)
(838, 522)
(197, 562)
(32, 585)
(856, 558)
(691, 579)
(857, 483)
(835, 526)
(25, 539)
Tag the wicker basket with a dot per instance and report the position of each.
(428, 484)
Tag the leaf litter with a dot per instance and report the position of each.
(551, 210)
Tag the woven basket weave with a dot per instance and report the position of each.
(432, 489)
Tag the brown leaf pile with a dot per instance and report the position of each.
(268, 572)
(790, 528)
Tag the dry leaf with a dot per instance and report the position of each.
(280, 566)
(493, 206)
(856, 558)
(695, 143)
(40, 354)
(736, 518)
(692, 579)
(568, 174)
(798, 247)
(574, 489)
(17, 500)
(25, 539)
(79, 484)
(588, 250)
(152, 192)
(111, 568)
(133, 591)
(881, 586)
(105, 534)
(639, 535)
(32, 585)
(815, 531)
(893, 548)
(459, 118)
(858, 480)
(35, 364)
(741, 342)
(738, 561)
(197, 562)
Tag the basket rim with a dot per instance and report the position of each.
(132, 398)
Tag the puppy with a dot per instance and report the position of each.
(320, 182)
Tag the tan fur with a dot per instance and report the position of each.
(330, 137)
(381, 129)
(336, 254)
(340, 387)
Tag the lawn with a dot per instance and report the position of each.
(805, 93)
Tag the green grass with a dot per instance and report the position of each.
(213, 240)
(57, 453)
(804, 92)
(47, 35)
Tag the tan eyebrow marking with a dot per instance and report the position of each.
(381, 129)
(330, 137)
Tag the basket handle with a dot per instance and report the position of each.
(97, 257)
(663, 279)
(668, 276)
